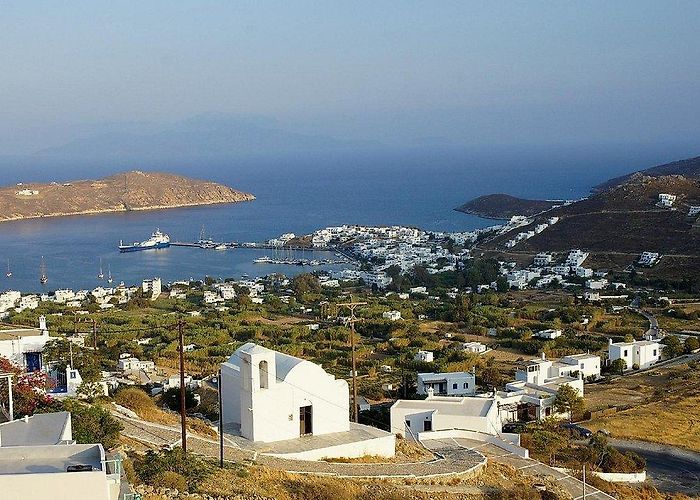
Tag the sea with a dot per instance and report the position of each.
(297, 193)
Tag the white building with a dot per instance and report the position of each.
(642, 353)
(153, 287)
(666, 200)
(38, 459)
(272, 396)
(540, 371)
(598, 284)
(392, 315)
(548, 334)
(648, 259)
(576, 258)
(24, 346)
(542, 259)
(475, 347)
(693, 210)
(446, 384)
(424, 356)
(135, 364)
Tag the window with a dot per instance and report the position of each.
(454, 386)
(582, 366)
(72, 374)
(466, 385)
(262, 373)
(654, 352)
(408, 424)
(624, 353)
(427, 425)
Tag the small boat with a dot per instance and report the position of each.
(220, 246)
(43, 278)
(102, 274)
(9, 272)
(109, 273)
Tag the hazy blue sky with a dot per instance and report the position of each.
(460, 72)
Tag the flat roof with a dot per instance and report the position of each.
(49, 459)
(37, 430)
(13, 333)
(446, 405)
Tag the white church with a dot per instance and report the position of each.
(269, 396)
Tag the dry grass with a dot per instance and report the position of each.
(664, 407)
(142, 404)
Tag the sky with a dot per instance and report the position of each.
(401, 73)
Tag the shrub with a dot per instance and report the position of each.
(152, 467)
(134, 399)
(169, 479)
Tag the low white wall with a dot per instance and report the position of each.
(613, 477)
(384, 446)
(477, 436)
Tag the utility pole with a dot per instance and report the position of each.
(352, 305)
(183, 411)
(584, 482)
(94, 333)
(221, 423)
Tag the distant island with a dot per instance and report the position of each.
(505, 206)
(129, 191)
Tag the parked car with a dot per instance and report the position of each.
(577, 430)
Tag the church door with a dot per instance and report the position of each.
(305, 420)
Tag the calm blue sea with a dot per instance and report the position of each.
(294, 194)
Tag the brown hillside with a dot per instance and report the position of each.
(122, 192)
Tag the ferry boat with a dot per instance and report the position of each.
(156, 241)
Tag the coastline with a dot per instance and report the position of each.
(249, 197)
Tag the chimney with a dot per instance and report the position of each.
(610, 341)
(543, 356)
(42, 324)
(430, 392)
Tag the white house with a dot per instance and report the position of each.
(598, 284)
(642, 353)
(648, 259)
(272, 396)
(540, 371)
(548, 334)
(154, 287)
(392, 315)
(542, 259)
(129, 363)
(666, 200)
(446, 384)
(39, 459)
(576, 258)
(424, 356)
(476, 347)
(24, 346)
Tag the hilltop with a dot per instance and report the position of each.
(123, 192)
(620, 220)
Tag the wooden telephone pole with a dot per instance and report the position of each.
(351, 321)
(183, 410)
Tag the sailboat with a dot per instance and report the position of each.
(102, 274)
(43, 278)
(109, 273)
(9, 272)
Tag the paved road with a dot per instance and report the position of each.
(670, 469)
(453, 461)
(527, 466)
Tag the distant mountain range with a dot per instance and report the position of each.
(209, 136)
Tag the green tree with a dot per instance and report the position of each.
(672, 347)
(93, 424)
(568, 400)
(305, 283)
(692, 344)
(619, 366)
(171, 398)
